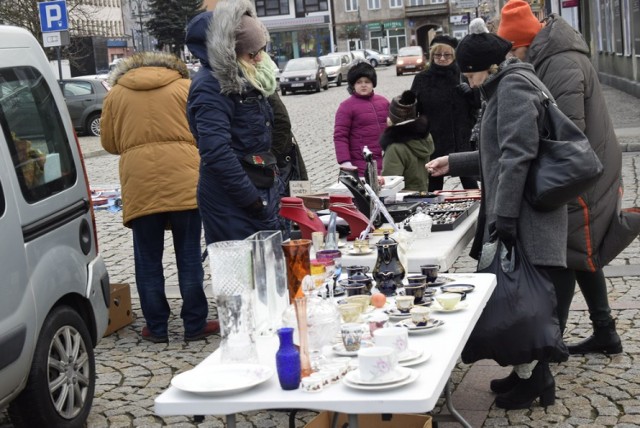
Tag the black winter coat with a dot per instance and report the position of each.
(451, 114)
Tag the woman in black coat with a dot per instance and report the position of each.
(450, 106)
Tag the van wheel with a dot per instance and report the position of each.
(339, 81)
(283, 91)
(93, 124)
(62, 379)
(374, 63)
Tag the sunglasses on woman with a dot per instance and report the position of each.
(443, 55)
(252, 55)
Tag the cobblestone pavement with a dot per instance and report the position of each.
(592, 391)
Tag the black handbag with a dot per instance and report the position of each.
(260, 168)
(519, 324)
(566, 165)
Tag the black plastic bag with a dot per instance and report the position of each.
(519, 324)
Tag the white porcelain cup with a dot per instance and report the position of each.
(393, 337)
(377, 364)
(448, 300)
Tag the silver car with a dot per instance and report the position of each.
(84, 96)
(373, 57)
(54, 290)
(337, 66)
(303, 74)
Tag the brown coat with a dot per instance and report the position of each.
(144, 121)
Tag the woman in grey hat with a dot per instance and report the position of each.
(508, 143)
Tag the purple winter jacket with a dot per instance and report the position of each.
(359, 122)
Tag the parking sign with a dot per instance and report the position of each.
(53, 16)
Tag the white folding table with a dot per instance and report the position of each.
(444, 344)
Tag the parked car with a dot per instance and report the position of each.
(303, 74)
(410, 59)
(55, 287)
(374, 58)
(84, 96)
(337, 66)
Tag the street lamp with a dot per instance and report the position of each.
(138, 13)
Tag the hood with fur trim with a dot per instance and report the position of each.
(211, 39)
(147, 59)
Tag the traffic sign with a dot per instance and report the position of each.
(53, 16)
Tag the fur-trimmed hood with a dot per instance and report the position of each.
(211, 39)
(148, 59)
(403, 132)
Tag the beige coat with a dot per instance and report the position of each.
(144, 121)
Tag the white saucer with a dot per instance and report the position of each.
(395, 313)
(338, 349)
(409, 354)
(435, 306)
(399, 374)
(414, 329)
(421, 359)
(221, 379)
(414, 375)
(354, 252)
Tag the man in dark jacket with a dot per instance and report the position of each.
(598, 228)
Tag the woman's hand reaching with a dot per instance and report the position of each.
(438, 166)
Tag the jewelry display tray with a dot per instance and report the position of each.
(448, 215)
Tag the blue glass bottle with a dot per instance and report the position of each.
(288, 360)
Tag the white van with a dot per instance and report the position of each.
(54, 286)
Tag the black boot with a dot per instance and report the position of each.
(604, 339)
(540, 384)
(500, 386)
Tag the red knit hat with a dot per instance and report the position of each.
(518, 24)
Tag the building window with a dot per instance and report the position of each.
(272, 7)
(438, 1)
(373, 4)
(395, 3)
(351, 5)
(304, 7)
(417, 2)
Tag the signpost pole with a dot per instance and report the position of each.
(59, 62)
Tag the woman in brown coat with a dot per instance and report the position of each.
(144, 121)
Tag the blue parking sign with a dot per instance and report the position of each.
(53, 16)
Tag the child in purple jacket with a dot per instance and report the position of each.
(360, 119)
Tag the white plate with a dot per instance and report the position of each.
(222, 379)
(399, 374)
(414, 375)
(409, 354)
(435, 306)
(338, 348)
(421, 359)
(354, 252)
(414, 329)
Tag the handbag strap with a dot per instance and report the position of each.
(546, 98)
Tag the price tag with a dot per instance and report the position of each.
(297, 188)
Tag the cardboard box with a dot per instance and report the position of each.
(120, 313)
(323, 420)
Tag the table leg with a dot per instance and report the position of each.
(449, 402)
(353, 420)
(231, 420)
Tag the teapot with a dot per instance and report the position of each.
(388, 271)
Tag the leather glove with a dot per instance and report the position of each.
(464, 89)
(507, 230)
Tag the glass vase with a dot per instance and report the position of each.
(271, 292)
(300, 304)
(296, 254)
(232, 286)
(288, 360)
